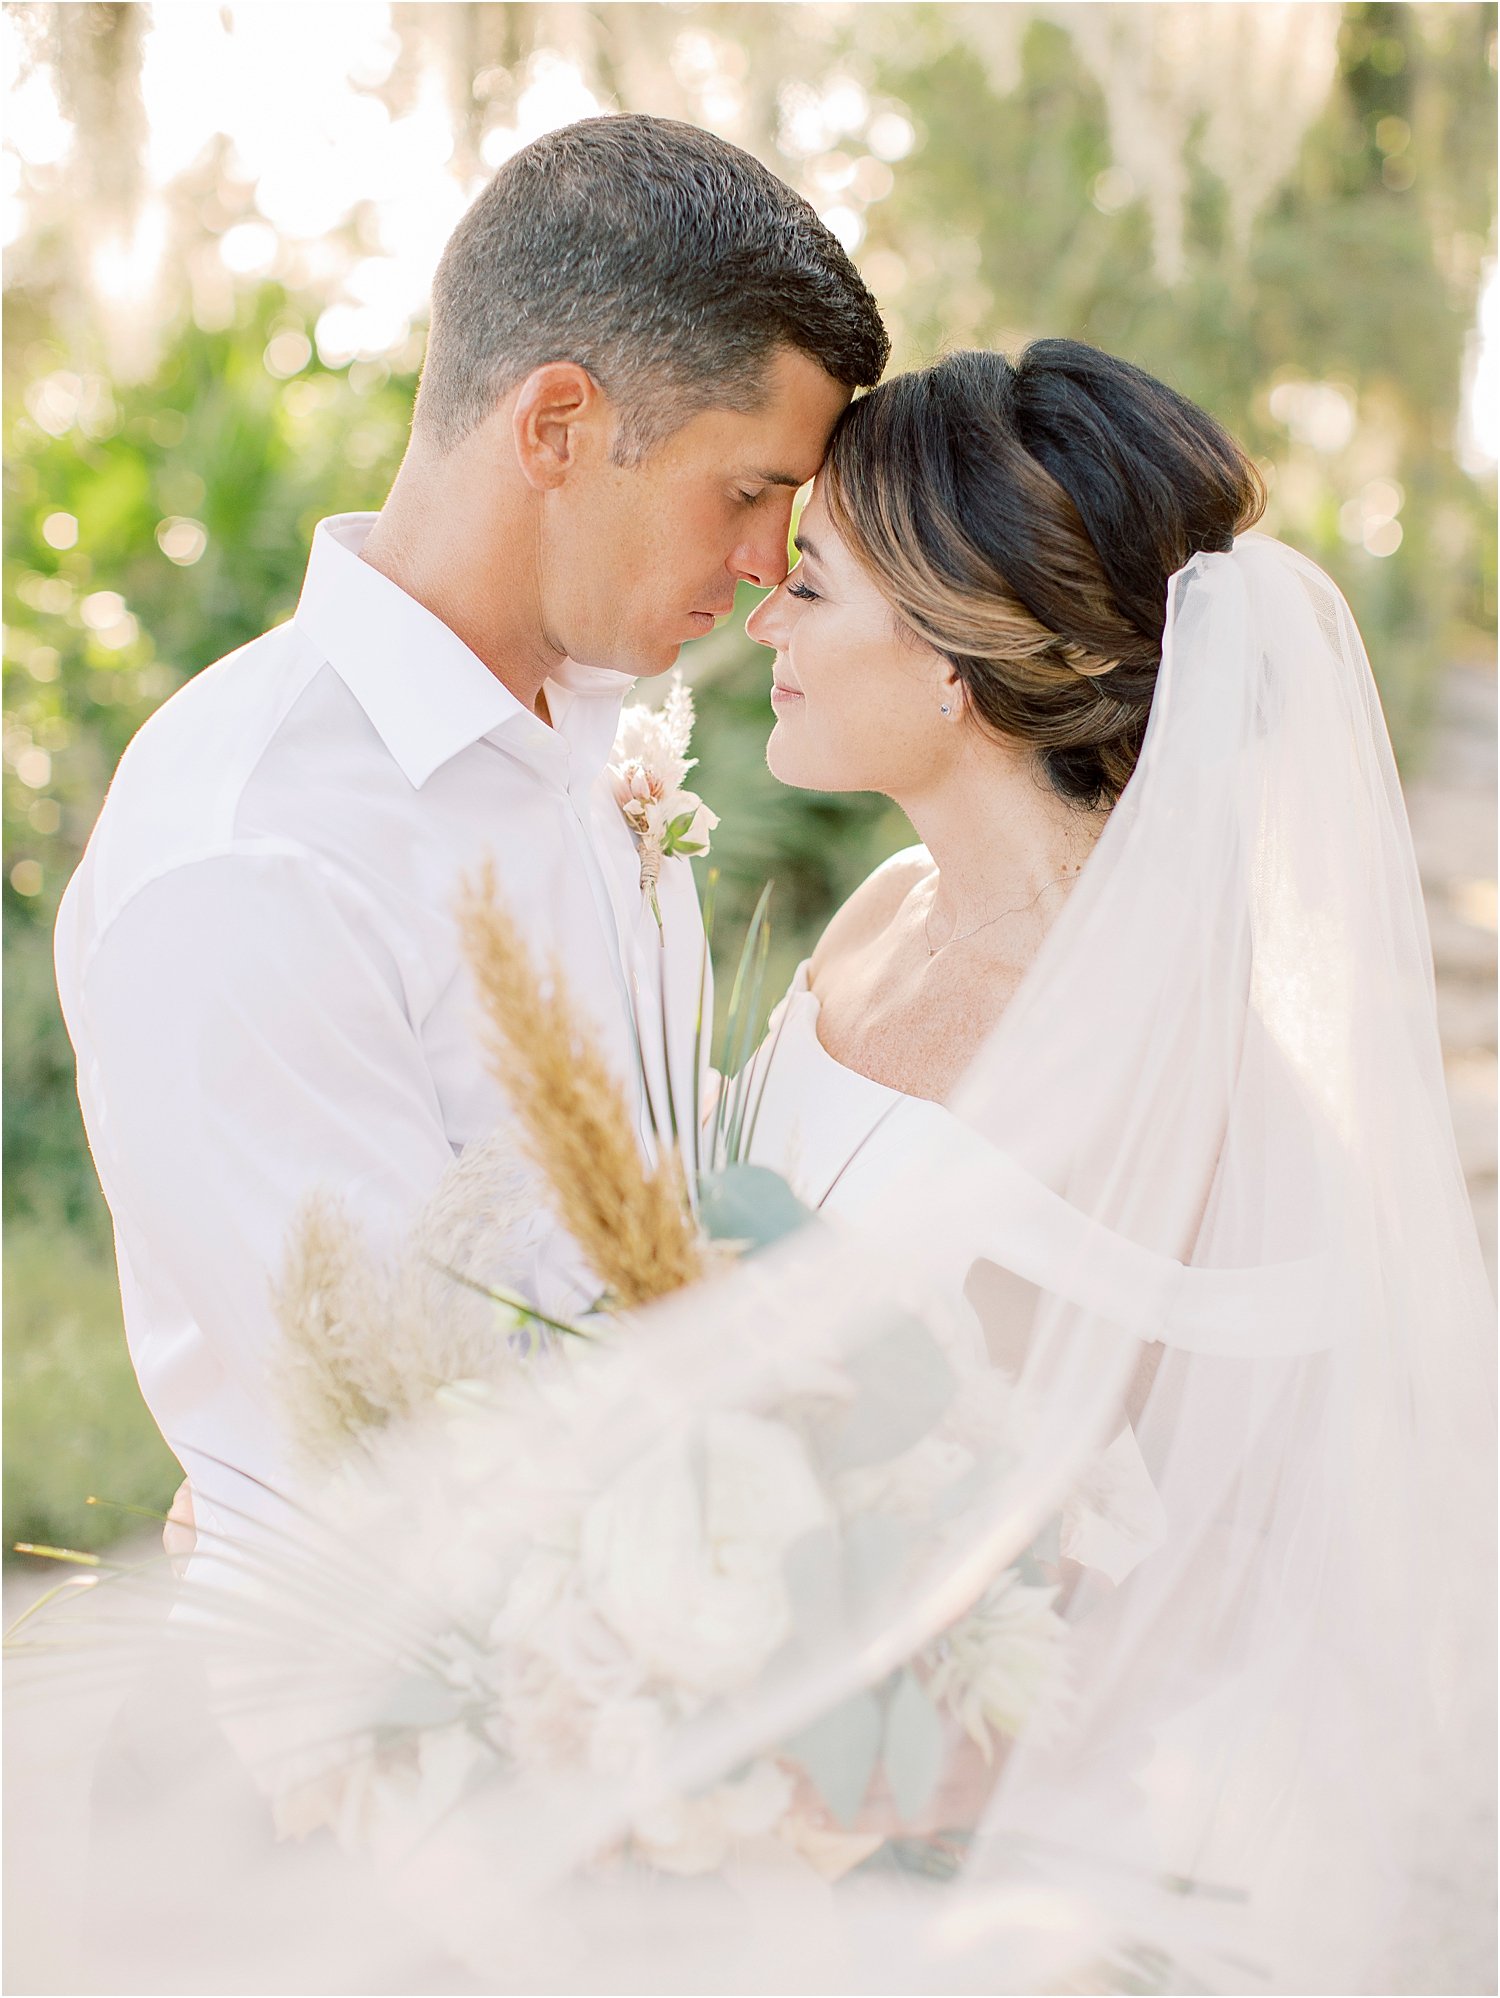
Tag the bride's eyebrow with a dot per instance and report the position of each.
(806, 548)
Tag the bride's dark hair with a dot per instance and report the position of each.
(1024, 517)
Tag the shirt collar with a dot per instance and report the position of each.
(426, 694)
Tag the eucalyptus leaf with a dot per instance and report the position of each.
(419, 1702)
(903, 1385)
(749, 1203)
(877, 1547)
(839, 1752)
(914, 1746)
(832, 1573)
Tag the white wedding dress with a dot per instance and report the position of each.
(826, 1128)
(838, 1137)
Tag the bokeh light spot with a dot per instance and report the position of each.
(1383, 537)
(287, 354)
(102, 609)
(891, 135)
(846, 223)
(181, 540)
(1112, 190)
(248, 249)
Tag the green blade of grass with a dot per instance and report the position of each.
(733, 1028)
(710, 904)
(512, 1300)
(749, 1025)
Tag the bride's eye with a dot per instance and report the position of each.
(801, 590)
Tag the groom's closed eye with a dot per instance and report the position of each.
(764, 481)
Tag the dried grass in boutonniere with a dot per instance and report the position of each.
(649, 762)
(634, 1226)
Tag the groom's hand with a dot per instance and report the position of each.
(180, 1534)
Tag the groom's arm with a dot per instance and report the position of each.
(245, 1038)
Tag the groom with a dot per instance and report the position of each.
(640, 342)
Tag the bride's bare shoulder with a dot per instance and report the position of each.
(872, 905)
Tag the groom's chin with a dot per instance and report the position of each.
(658, 662)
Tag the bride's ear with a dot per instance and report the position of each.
(952, 695)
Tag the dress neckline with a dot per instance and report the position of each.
(820, 1112)
(801, 989)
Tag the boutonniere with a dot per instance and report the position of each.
(647, 768)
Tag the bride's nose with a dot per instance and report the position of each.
(764, 623)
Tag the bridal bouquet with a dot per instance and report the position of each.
(547, 1605)
(575, 1626)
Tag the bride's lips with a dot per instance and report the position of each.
(784, 697)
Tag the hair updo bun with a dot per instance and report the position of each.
(1024, 519)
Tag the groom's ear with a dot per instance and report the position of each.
(560, 411)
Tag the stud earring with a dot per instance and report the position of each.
(946, 708)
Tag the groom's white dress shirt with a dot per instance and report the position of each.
(261, 974)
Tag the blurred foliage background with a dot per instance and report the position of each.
(220, 224)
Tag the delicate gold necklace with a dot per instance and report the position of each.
(989, 921)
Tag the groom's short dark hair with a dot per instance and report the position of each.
(664, 260)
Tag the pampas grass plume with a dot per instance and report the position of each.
(633, 1225)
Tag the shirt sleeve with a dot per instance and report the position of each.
(244, 1041)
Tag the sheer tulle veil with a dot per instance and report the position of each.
(1206, 1169)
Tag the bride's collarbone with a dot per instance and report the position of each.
(911, 1022)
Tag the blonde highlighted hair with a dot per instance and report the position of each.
(1024, 519)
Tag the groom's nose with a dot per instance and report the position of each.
(762, 557)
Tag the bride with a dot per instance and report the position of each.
(1162, 949)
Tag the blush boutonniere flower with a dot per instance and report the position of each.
(647, 768)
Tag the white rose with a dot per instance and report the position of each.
(540, 1584)
(545, 1613)
(682, 1553)
(694, 1834)
(703, 823)
(625, 1737)
(543, 1718)
(391, 1800)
